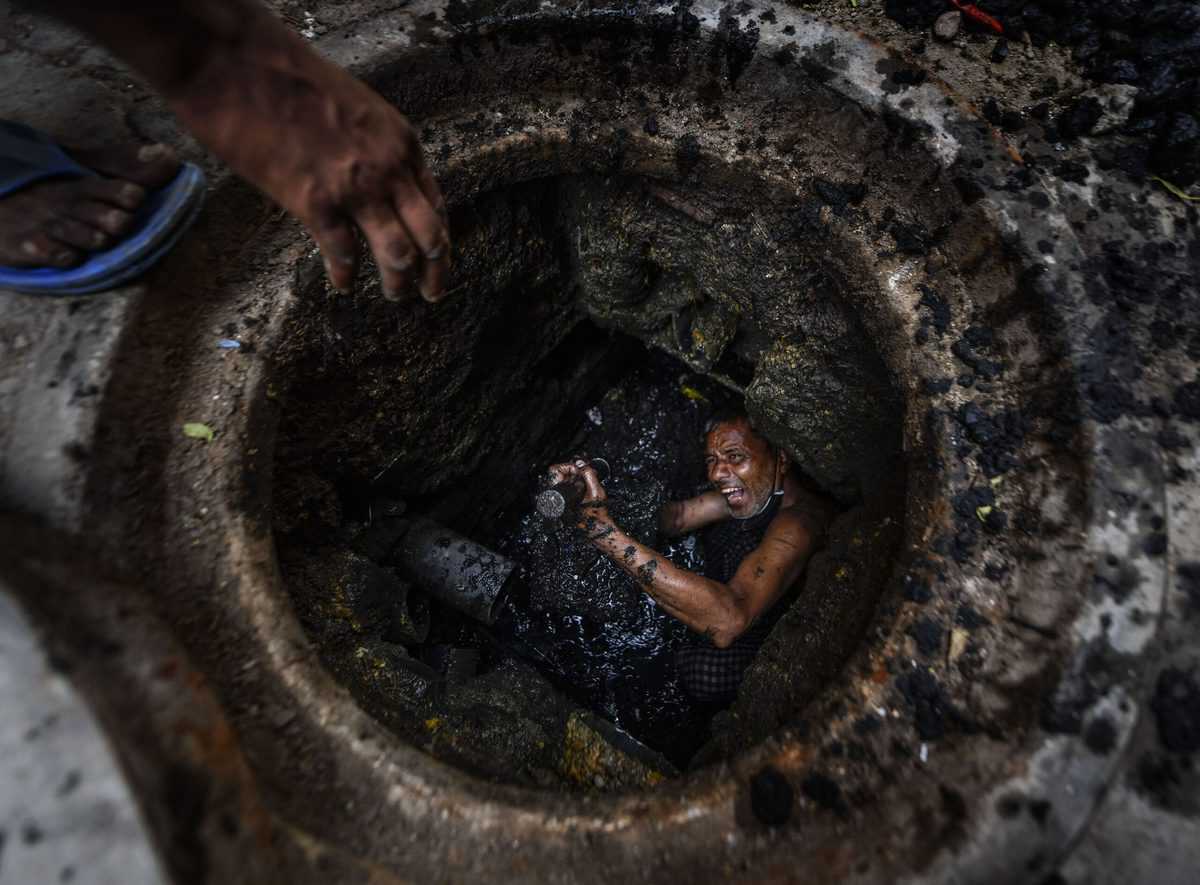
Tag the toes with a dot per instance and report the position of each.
(427, 227)
(74, 233)
(150, 165)
(125, 194)
(392, 248)
(39, 250)
(107, 218)
(158, 164)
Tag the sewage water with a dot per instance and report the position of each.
(585, 623)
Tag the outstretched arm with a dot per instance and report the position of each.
(680, 517)
(319, 142)
(722, 612)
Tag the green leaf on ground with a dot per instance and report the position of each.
(198, 431)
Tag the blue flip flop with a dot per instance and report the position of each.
(28, 156)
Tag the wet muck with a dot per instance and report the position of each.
(586, 623)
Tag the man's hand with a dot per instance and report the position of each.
(593, 509)
(334, 154)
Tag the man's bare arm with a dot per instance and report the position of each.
(722, 612)
(680, 517)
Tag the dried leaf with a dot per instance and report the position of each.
(958, 643)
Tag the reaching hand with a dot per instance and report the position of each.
(323, 145)
(333, 153)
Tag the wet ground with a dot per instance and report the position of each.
(576, 614)
(1149, 47)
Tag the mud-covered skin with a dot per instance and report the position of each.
(745, 473)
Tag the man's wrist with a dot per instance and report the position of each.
(595, 522)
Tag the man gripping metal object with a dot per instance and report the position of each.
(760, 527)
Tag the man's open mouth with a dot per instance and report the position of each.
(734, 495)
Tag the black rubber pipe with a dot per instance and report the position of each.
(466, 576)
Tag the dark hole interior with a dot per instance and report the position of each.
(565, 346)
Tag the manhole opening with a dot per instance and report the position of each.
(571, 686)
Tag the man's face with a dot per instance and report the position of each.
(740, 466)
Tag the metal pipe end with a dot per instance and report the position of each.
(551, 504)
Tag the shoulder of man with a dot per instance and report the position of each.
(811, 510)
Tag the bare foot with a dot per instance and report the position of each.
(58, 221)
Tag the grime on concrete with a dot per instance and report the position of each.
(809, 187)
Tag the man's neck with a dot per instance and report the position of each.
(791, 490)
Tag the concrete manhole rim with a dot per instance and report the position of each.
(416, 787)
(718, 795)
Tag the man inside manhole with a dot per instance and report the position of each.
(760, 528)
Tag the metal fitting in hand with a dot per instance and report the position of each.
(564, 497)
